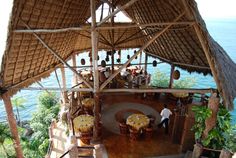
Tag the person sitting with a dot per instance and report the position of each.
(165, 114)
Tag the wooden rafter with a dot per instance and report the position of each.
(87, 27)
(117, 11)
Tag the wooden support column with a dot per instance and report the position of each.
(146, 61)
(117, 11)
(140, 60)
(74, 65)
(213, 105)
(171, 76)
(12, 124)
(112, 41)
(97, 116)
(112, 60)
(94, 38)
(63, 78)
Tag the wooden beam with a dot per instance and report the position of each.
(171, 76)
(74, 65)
(59, 89)
(63, 78)
(64, 93)
(140, 50)
(159, 90)
(117, 11)
(146, 62)
(94, 41)
(58, 82)
(140, 60)
(118, 26)
(58, 57)
(12, 124)
(97, 116)
(207, 53)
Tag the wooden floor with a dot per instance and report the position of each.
(118, 146)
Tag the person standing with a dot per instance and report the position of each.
(165, 114)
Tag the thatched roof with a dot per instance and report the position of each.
(27, 60)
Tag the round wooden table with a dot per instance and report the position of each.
(83, 125)
(137, 121)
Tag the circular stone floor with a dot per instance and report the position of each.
(110, 115)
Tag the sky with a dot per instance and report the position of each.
(208, 8)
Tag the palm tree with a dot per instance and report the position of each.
(4, 134)
(18, 103)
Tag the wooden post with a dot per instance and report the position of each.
(112, 60)
(197, 151)
(117, 11)
(74, 65)
(12, 124)
(97, 116)
(210, 122)
(94, 38)
(146, 61)
(140, 60)
(63, 78)
(171, 76)
(225, 154)
(112, 41)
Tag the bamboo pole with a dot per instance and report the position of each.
(117, 26)
(59, 89)
(63, 78)
(117, 11)
(171, 76)
(74, 65)
(140, 60)
(12, 124)
(164, 90)
(112, 42)
(140, 50)
(207, 53)
(94, 37)
(146, 62)
(97, 116)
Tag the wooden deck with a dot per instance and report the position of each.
(118, 146)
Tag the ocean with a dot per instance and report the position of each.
(222, 30)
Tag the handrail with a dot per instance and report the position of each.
(50, 148)
(50, 133)
(80, 147)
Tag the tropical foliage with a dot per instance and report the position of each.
(222, 135)
(160, 79)
(6, 141)
(48, 109)
(18, 102)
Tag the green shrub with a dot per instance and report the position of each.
(222, 135)
(160, 79)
